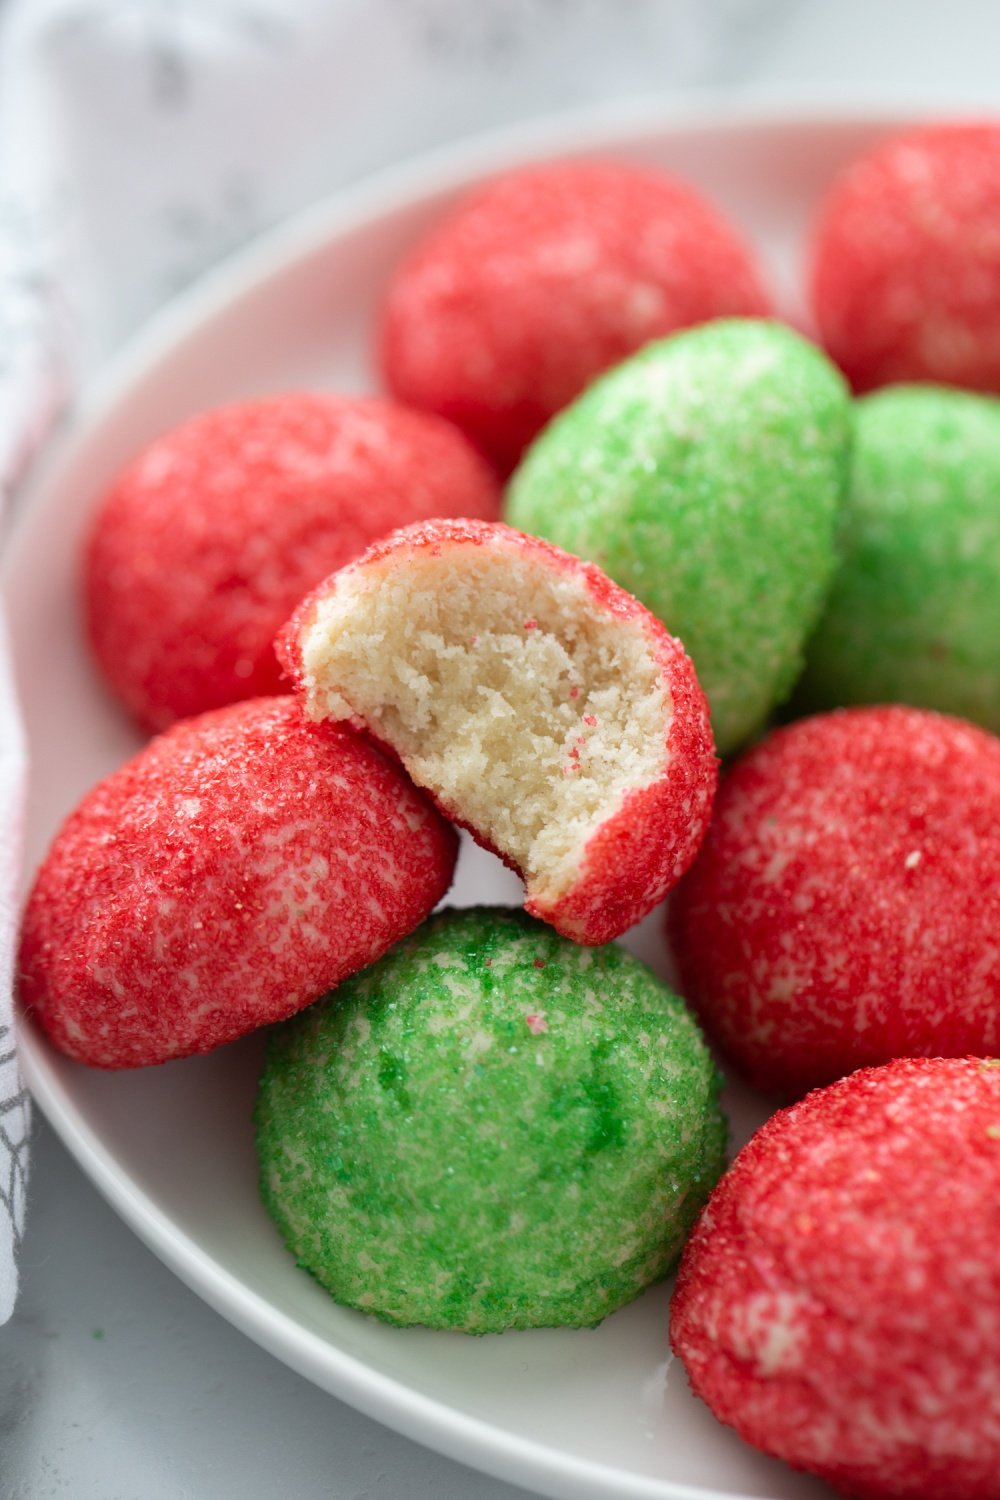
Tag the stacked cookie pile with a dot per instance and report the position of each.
(617, 519)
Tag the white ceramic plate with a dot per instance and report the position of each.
(599, 1413)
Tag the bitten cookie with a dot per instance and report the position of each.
(839, 1300)
(542, 279)
(541, 706)
(845, 907)
(240, 866)
(490, 1128)
(913, 615)
(205, 545)
(705, 475)
(906, 260)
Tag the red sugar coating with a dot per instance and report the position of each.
(839, 1300)
(236, 869)
(542, 279)
(208, 541)
(649, 840)
(845, 906)
(906, 260)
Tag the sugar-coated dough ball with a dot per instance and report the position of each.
(204, 546)
(490, 1128)
(845, 906)
(542, 707)
(906, 260)
(542, 279)
(704, 475)
(913, 615)
(839, 1300)
(240, 866)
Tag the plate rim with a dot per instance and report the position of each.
(304, 231)
(428, 1420)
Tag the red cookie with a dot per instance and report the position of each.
(240, 866)
(542, 707)
(544, 278)
(845, 907)
(210, 539)
(906, 261)
(839, 1300)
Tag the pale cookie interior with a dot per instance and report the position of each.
(525, 708)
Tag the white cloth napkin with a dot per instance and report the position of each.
(140, 140)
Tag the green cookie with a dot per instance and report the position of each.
(704, 475)
(490, 1128)
(914, 612)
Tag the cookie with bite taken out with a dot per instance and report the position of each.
(541, 706)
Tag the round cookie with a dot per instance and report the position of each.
(845, 906)
(545, 277)
(839, 1301)
(906, 260)
(540, 705)
(237, 868)
(913, 615)
(207, 542)
(704, 476)
(490, 1128)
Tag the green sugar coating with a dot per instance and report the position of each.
(490, 1128)
(914, 612)
(704, 475)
